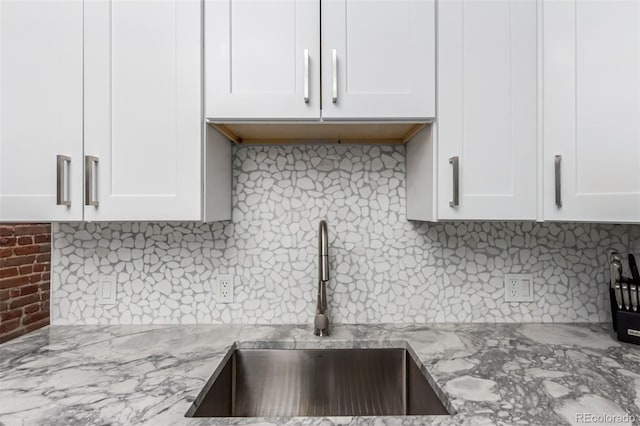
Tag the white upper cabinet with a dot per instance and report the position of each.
(262, 59)
(591, 110)
(40, 110)
(487, 110)
(378, 59)
(142, 112)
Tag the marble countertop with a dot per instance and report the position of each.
(505, 374)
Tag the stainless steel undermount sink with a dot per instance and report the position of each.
(317, 382)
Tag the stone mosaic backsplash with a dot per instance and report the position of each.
(383, 268)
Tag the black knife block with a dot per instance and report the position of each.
(628, 326)
(625, 323)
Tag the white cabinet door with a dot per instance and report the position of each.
(143, 109)
(378, 59)
(487, 109)
(592, 110)
(262, 59)
(40, 109)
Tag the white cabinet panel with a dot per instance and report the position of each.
(384, 59)
(217, 177)
(143, 108)
(487, 109)
(592, 110)
(40, 108)
(255, 62)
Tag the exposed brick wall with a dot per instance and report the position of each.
(25, 256)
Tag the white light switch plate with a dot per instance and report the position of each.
(518, 288)
(107, 290)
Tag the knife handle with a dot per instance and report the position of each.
(625, 296)
(612, 274)
(633, 290)
(616, 267)
(618, 293)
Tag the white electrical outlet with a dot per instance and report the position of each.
(518, 288)
(225, 288)
(107, 290)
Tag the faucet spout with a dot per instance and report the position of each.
(323, 252)
(321, 322)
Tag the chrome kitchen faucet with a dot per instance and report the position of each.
(321, 321)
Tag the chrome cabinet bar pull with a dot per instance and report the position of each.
(306, 76)
(61, 181)
(558, 168)
(334, 86)
(454, 161)
(90, 180)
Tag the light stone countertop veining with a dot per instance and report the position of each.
(507, 374)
